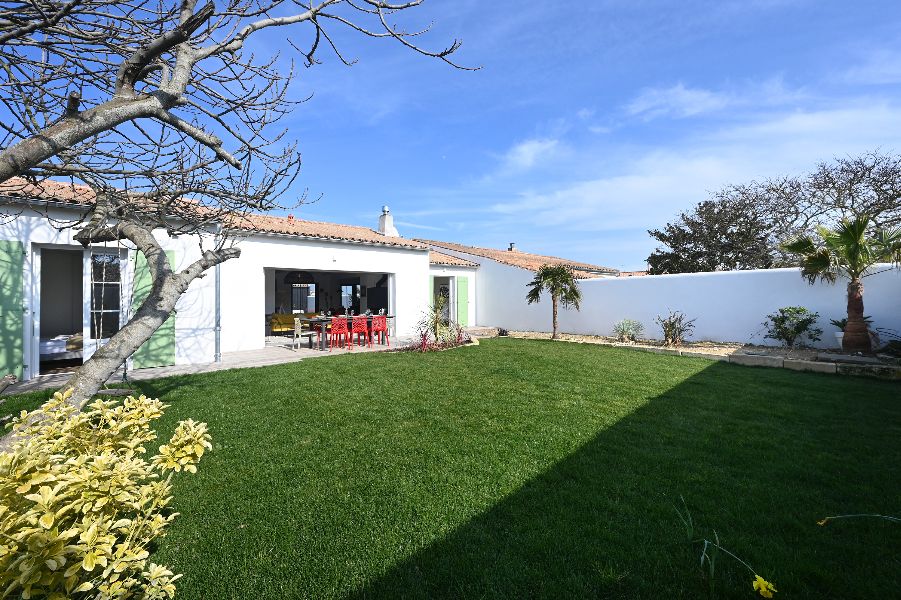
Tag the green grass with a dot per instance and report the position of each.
(531, 469)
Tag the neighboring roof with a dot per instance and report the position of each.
(632, 273)
(524, 260)
(440, 258)
(320, 230)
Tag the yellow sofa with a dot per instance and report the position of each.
(284, 323)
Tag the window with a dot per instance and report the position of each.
(350, 296)
(303, 297)
(106, 295)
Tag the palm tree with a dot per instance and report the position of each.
(558, 281)
(847, 251)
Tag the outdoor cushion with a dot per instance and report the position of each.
(281, 323)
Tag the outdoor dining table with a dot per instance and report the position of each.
(324, 321)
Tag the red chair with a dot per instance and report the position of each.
(360, 326)
(380, 326)
(338, 328)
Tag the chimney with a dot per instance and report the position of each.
(386, 223)
(512, 247)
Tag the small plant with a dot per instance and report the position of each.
(791, 325)
(628, 330)
(710, 549)
(676, 327)
(81, 507)
(436, 331)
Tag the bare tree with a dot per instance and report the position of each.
(744, 226)
(135, 100)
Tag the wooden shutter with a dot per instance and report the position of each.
(12, 300)
(159, 350)
(463, 301)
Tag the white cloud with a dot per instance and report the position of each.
(650, 188)
(679, 101)
(676, 101)
(527, 154)
(880, 68)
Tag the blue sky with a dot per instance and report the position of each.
(591, 122)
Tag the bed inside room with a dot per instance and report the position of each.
(61, 341)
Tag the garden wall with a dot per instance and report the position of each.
(729, 306)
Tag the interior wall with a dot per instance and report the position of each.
(61, 292)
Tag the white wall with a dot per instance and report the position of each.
(195, 318)
(729, 306)
(244, 283)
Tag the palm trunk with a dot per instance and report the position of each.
(554, 305)
(857, 337)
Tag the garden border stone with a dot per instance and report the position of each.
(810, 365)
(756, 360)
(826, 363)
(719, 357)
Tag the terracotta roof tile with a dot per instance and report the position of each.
(440, 258)
(320, 230)
(56, 191)
(524, 260)
(48, 190)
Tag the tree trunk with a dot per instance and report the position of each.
(857, 336)
(151, 315)
(554, 305)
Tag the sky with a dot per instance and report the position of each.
(589, 123)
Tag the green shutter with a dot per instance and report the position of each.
(159, 350)
(463, 301)
(12, 300)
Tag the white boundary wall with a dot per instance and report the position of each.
(729, 306)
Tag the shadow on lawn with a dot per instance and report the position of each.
(760, 467)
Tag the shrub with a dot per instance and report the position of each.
(791, 324)
(628, 330)
(80, 505)
(676, 327)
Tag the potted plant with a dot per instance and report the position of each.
(841, 323)
(848, 251)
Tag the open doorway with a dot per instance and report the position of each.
(61, 317)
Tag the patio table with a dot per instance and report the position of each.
(325, 321)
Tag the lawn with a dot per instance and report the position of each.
(532, 469)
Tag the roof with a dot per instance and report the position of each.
(632, 273)
(320, 230)
(48, 190)
(80, 195)
(440, 258)
(524, 260)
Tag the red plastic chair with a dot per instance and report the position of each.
(360, 326)
(380, 326)
(338, 328)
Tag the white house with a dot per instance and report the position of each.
(59, 301)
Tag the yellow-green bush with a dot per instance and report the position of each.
(80, 504)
